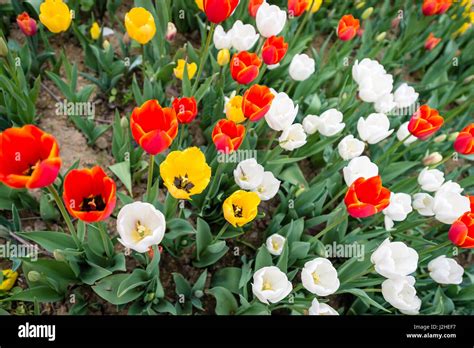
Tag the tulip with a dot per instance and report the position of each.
(270, 285)
(374, 86)
(425, 122)
(256, 102)
(444, 270)
(380, 37)
(227, 136)
(200, 4)
(240, 207)
(405, 96)
(221, 39)
(435, 7)
(367, 13)
(9, 279)
(366, 197)
(89, 194)
(301, 67)
(366, 67)
(328, 124)
(245, 67)
(297, 7)
(171, 32)
(29, 158)
(223, 57)
(440, 138)
(359, 167)
(320, 277)
(350, 147)
(399, 208)
(185, 109)
(275, 244)
(243, 36)
(374, 129)
(270, 20)
(95, 31)
(282, 112)
(191, 69)
(253, 7)
(140, 226)
(274, 49)
(449, 206)
(233, 109)
(464, 143)
(154, 127)
(27, 24)
(401, 294)
(185, 173)
(385, 103)
(430, 179)
(55, 15)
(218, 11)
(461, 232)
(292, 137)
(347, 28)
(450, 186)
(314, 5)
(431, 42)
(140, 25)
(321, 309)
(403, 134)
(423, 203)
(268, 188)
(432, 158)
(248, 174)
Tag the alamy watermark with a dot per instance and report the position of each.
(12, 251)
(84, 109)
(353, 250)
(236, 156)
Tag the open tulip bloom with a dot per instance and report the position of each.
(232, 157)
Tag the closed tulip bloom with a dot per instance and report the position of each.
(256, 102)
(404, 134)
(320, 277)
(435, 7)
(450, 186)
(350, 147)
(171, 32)
(140, 226)
(227, 136)
(366, 67)
(240, 208)
(248, 174)
(359, 167)
(200, 4)
(385, 103)
(366, 197)
(401, 294)
(449, 206)
(292, 137)
(430, 179)
(245, 67)
(55, 15)
(253, 7)
(275, 244)
(302, 67)
(270, 20)
(274, 49)
(374, 129)
(27, 24)
(282, 113)
(461, 232)
(223, 57)
(243, 36)
(154, 127)
(9, 279)
(394, 259)
(233, 109)
(268, 188)
(185, 109)
(29, 158)
(297, 7)
(374, 86)
(405, 96)
(191, 69)
(347, 27)
(431, 42)
(314, 5)
(321, 308)
(328, 124)
(464, 143)
(89, 194)
(218, 11)
(425, 122)
(423, 203)
(140, 25)
(444, 270)
(270, 285)
(398, 209)
(95, 31)
(221, 39)
(185, 173)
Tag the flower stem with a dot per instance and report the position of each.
(149, 184)
(64, 213)
(302, 25)
(221, 232)
(392, 149)
(204, 55)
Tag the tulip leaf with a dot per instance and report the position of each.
(228, 278)
(226, 304)
(139, 277)
(365, 298)
(122, 171)
(263, 259)
(108, 287)
(203, 236)
(40, 293)
(49, 240)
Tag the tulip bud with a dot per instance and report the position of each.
(106, 45)
(223, 57)
(198, 293)
(360, 4)
(3, 48)
(440, 138)
(432, 158)
(171, 32)
(453, 136)
(367, 13)
(58, 255)
(380, 37)
(396, 22)
(124, 122)
(149, 297)
(34, 276)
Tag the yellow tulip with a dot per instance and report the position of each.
(223, 57)
(9, 279)
(241, 207)
(314, 5)
(55, 15)
(190, 67)
(140, 25)
(95, 31)
(185, 173)
(233, 109)
(200, 4)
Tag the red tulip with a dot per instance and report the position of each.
(185, 108)
(218, 11)
(256, 102)
(29, 157)
(464, 142)
(347, 28)
(435, 7)
(245, 67)
(431, 42)
(154, 127)
(254, 5)
(297, 7)
(274, 49)
(227, 136)
(27, 24)
(425, 122)
(461, 232)
(366, 197)
(89, 194)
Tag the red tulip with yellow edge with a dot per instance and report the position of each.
(245, 67)
(228, 136)
(347, 28)
(297, 7)
(366, 197)
(464, 143)
(274, 50)
(185, 108)
(218, 11)
(256, 102)
(425, 122)
(461, 232)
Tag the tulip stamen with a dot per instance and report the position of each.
(238, 211)
(316, 278)
(183, 183)
(267, 286)
(92, 203)
(29, 171)
(140, 231)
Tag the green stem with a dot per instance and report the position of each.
(392, 149)
(328, 228)
(436, 247)
(204, 55)
(302, 25)
(221, 232)
(64, 213)
(149, 183)
(446, 159)
(103, 236)
(334, 199)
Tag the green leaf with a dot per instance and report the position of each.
(41, 293)
(108, 287)
(365, 298)
(263, 259)
(226, 304)
(122, 171)
(203, 236)
(139, 277)
(50, 240)
(228, 278)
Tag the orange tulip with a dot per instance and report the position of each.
(245, 67)
(185, 108)
(464, 142)
(154, 127)
(274, 49)
(347, 28)
(297, 7)
(27, 24)
(29, 157)
(253, 7)
(431, 42)
(366, 197)
(425, 122)
(435, 7)
(89, 194)
(256, 102)
(461, 232)
(227, 136)
(218, 11)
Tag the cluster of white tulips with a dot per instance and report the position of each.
(251, 176)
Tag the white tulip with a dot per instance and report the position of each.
(310, 124)
(450, 186)
(359, 167)
(423, 203)
(268, 188)
(444, 270)
(243, 36)
(140, 226)
(302, 67)
(388, 222)
(222, 40)
(248, 174)
(385, 103)
(430, 179)
(328, 124)
(320, 277)
(292, 137)
(448, 206)
(275, 244)
(271, 285)
(321, 309)
(375, 128)
(392, 259)
(399, 207)
(366, 67)
(350, 147)
(404, 134)
(375, 86)
(405, 96)
(270, 20)
(282, 112)
(401, 294)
